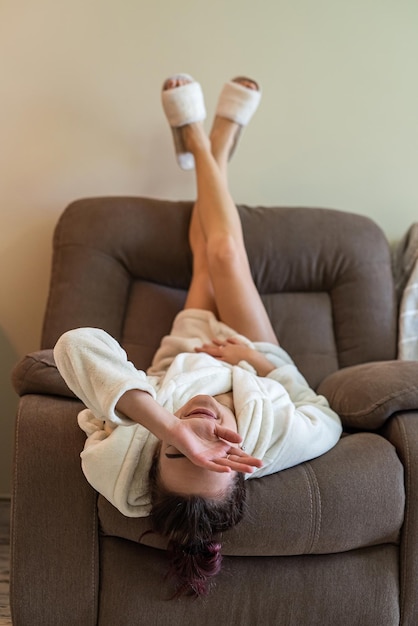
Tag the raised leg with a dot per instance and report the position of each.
(237, 300)
(222, 280)
(201, 294)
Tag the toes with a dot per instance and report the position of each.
(176, 81)
(170, 83)
(246, 82)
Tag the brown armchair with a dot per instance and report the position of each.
(330, 542)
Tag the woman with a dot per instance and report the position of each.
(167, 442)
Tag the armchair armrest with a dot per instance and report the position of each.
(365, 396)
(37, 373)
(402, 432)
(54, 526)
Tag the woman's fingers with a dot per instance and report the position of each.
(236, 463)
(228, 435)
(235, 341)
(238, 460)
(239, 456)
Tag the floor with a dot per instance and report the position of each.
(4, 563)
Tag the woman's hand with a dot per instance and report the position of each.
(230, 350)
(212, 446)
(233, 351)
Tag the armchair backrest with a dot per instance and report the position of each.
(124, 265)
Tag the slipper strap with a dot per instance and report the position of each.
(238, 103)
(184, 105)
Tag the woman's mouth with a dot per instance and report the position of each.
(205, 413)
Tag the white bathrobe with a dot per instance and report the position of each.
(281, 420)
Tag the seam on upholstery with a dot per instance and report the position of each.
(95, 554)
(14, 499)
(36, 360)
(315, 506)
(317, 519)
(125, 308)
(331, 297)
(307, 481)
(403, 568)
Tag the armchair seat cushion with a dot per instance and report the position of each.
(351, 497)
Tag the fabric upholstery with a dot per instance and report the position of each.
(319, 520)
(308, 590)
(366, 395)
(402, 431)
(54, 516)
(332, 541)
(37, 373)
(309, 296)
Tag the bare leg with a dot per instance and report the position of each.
(201, 294)
(222, 280)
(237, 300)
(222, 137)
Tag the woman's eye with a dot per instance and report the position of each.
(173, 453)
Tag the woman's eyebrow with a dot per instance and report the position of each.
(177, 455)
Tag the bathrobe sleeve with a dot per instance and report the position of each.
(115, 459)
(281, 419)
(96, 368)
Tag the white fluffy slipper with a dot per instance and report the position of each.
(238, 104)
(183, 105)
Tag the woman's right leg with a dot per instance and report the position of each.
(237, 300)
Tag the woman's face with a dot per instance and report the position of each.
(177, 473)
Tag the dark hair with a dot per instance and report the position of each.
(191, 523)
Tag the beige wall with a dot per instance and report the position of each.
(80, 115)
